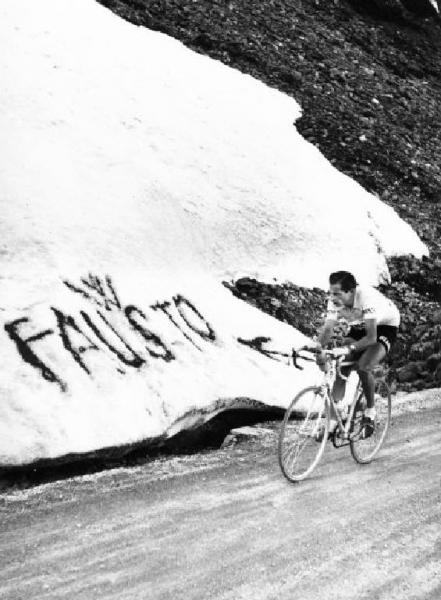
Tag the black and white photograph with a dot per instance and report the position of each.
(220, 299)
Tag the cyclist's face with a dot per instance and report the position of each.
(339, 297)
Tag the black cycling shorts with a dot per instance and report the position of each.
(386, 334)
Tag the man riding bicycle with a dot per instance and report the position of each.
(373, 323)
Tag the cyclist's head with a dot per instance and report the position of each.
(342, 287)
(345, 279)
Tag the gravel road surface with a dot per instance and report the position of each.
(226, 525)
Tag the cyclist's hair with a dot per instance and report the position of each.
(345, 279)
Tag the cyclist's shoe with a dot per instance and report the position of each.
(319, 434)
(367, 427)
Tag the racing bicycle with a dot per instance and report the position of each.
(305, 427)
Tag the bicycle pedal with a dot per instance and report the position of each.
(338, 440)
(358, 435)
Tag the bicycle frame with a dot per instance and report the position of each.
(334, 366)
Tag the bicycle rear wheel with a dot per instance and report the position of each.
(299, 448)
(364, 450)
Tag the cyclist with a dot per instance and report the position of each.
(373, 322)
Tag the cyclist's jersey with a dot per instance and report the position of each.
(369, 303)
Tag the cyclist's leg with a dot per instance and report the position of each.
(339, 387)
(370, 359)
(338, 392)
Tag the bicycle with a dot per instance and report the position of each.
(305, 426)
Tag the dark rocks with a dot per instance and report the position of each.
(422, 350)
(409, 372)
(433, 362)
(424, 276)
(300, 307)
(383, 9)
(247, 286)
(393, 9)
(205, 41)
(417, 353)
(437, 375)
(422, 8)
(387, 8)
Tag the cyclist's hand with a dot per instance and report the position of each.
(343, 351)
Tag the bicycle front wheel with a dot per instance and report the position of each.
(303, 434)
(364, 450)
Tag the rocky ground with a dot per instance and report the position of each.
(368, 77)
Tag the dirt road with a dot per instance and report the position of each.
(226, 525)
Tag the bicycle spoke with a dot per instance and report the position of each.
(364, 449)
(299, 447)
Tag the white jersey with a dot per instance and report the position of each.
(369, 303)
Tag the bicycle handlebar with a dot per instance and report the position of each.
(339, 359)
(297, 354)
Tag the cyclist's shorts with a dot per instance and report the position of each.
(386, 334)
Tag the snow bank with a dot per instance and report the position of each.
(107, 362)
(135, 176)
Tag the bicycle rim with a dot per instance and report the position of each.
(364, 450)
(298, 449)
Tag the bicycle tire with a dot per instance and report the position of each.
(297, 430)
(364, 450)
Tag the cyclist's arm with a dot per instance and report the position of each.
(326, 332)
(370, 337)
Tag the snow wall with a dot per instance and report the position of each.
(136, 176)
